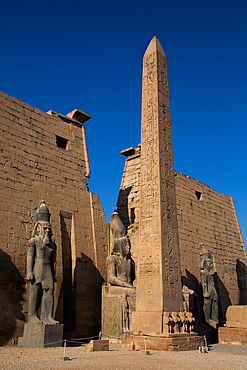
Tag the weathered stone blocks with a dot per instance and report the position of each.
(41, 335)
(164, 343)
(34, 167)
(97, 345)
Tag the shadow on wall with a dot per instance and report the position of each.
(224, 300)
(192, 283)
(88, 283)
(223, 296)
(122, 204)
(79, 303)
(12, 289)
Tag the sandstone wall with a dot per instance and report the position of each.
(35, 165)
(204, 216)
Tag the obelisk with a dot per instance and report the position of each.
(159, 287)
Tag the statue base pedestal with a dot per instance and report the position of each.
(147, 323)
(235, 329)
(162, 324)
(169, 342)
(41, 335)
(232, 336)
(113, 303)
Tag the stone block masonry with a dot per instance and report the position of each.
(204, 216)
(44, 156)
(168, 214)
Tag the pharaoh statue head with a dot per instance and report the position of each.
(117, 227)
(121, 247)
(42, 227)
(205, 261)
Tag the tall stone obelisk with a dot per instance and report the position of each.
(159, 287)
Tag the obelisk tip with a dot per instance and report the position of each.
(154, 45)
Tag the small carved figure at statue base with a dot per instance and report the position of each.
(41, 262)
(210, 296)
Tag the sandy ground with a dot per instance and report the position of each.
(118, 358)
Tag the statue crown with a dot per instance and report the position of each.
(42, 212)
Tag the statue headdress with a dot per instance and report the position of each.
(42, 212)
(204, 251)
(42, 215)
(117, 227)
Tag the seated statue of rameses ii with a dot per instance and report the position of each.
(119, 262)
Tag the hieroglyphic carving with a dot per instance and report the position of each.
(159, 279)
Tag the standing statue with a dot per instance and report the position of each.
(119, 262)
(41, 262)
(210, 296)
(242, 281)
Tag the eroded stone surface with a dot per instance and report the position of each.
(158, 271)
(236, 317)
(210, 220)
(165, 343)
(97, 345)
(203, 214)
(232, 335)
(118, 306)
(41, 335)
(35, 164)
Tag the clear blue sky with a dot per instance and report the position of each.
(63, 55)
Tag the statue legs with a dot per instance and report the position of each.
(41, 303)
(35, 295)
(210, 309)
(47, 307)
(215, 311)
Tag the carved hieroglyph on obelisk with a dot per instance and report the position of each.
(158, 272)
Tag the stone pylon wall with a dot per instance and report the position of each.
(204, 216)
(34, 166)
